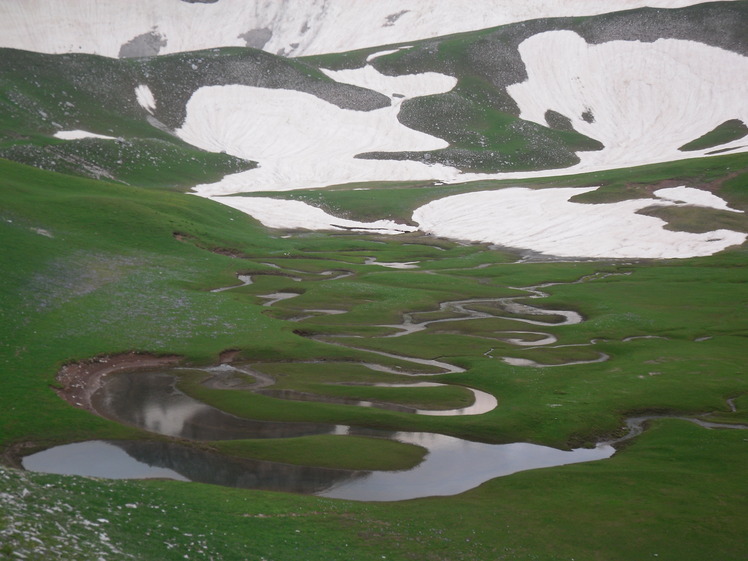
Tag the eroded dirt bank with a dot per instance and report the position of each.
(80, 380)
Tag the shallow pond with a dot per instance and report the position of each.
(451, 466)
(150, 400)
(140, 459)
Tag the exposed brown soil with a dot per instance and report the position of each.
(80, 380)
(229, 252)
(11, 455)
(711, 186)
(228, 356)
(180, 236)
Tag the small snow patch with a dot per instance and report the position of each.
(694, 197)
(547, 221)
(76, 134)
(145, 98)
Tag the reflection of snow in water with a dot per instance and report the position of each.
(514, 361)
(482, 402)
(464, 310)
(394, 265)
(451, 466)
(545, 339)
(454, 465)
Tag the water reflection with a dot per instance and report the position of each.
(150, 400)
(277, 297)
(95, 458)
(482, 401)
(454, 465)
(208, 467)
(139, 459)
(451, 466)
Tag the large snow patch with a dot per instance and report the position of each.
(291, 27)
(293, 215)
(641, 100)
(546, 221)
(299, 140)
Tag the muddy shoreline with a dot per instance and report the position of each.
(80, 380)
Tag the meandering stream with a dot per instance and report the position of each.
(151, 401)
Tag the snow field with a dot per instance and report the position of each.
(301, 141)
(397, 88)
(294, 215)
(291, 27)
(546, 221)
(641, 100)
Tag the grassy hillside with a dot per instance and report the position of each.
(104, 254)
(480, 119)
(95, 268)
(41, 94)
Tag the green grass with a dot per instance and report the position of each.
(728, 131)
(145, 162)
(651, 498)
(114, 278)
(397, 202)
(343, 452)
(42, 94)
(94, 268)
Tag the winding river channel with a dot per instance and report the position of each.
(151, 400)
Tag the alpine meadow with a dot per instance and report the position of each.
(353, 280)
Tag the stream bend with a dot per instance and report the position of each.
(151, 401)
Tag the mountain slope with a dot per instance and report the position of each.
(287, 27)
(488, 102)
(532, 264)
(532, 99)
